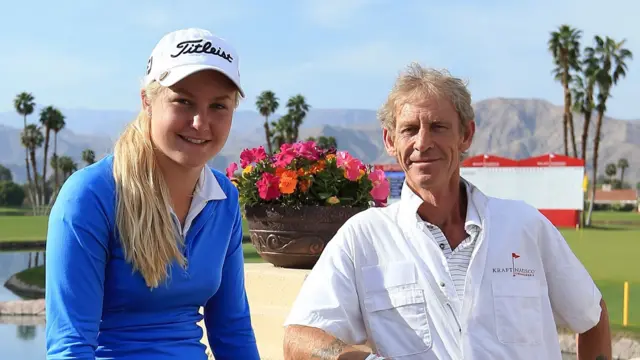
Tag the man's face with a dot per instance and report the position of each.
(427, 141)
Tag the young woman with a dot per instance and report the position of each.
(141, 240)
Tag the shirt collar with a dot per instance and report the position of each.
(208, 187)
(410, 202)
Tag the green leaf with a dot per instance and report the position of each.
(324, 195)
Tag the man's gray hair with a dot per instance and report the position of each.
(418, 83)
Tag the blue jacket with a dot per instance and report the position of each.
(98, 308)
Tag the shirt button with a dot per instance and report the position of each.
(441, 283)
(442, 246)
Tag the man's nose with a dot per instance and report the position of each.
(424, 140)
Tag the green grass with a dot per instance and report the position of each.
(612, 256)
(23, 228)
(616, 216)
(33, 276)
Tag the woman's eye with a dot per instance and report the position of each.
(219, 106)
(183, 101)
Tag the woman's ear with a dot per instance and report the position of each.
(146, 106)
(146, 103)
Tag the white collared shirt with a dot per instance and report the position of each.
(207, 189)
(384, 281)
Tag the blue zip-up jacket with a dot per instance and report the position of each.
(98, 308)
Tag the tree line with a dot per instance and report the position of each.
(588, 76)
(286, 129)
(40, 190)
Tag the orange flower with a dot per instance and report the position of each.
(301, 172)
(280, 171)
(331, 157)
(288, 181)
(361, 174)
(317, 167)
(333, 200)
(304, 185)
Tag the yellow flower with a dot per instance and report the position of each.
(333, 200)
(331, 157)
(247, 170)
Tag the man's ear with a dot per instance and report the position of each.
(389, 141)
(467, 136)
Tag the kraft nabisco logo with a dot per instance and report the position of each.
(515, 270)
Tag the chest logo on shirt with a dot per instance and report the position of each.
(515, 270)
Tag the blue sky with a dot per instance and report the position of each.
(338, 53)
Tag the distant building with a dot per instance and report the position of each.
(619, 197)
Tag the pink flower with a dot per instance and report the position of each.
(381, 187)
(255, 155)
(268, 186)
(307, 150)
(350, 165)
(285, 156)
(231, 169)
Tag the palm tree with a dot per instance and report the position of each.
(49, 117)
(24, 103)
(623, 164)
(88, 156)
(583, 88)
(298, 108)
(32, 139)
(57, 125)
(564, 45)
(610, 170)
(267, 104)
(67, 166)
(611, 57)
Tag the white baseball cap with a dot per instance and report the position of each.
(184, 52)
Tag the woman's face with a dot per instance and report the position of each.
(190, 121)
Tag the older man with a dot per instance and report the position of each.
(446, 272)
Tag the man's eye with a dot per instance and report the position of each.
(219, 106)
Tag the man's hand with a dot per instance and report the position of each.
(595, 343)
(307, 343)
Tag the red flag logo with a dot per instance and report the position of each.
(514, 255)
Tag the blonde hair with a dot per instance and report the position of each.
(417, 83)
(143, 215)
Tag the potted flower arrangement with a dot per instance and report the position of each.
(295, 200)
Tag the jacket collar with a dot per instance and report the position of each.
(476, 203)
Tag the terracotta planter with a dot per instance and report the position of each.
(294, 238)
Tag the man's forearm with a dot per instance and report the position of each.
(306, 343)
(595, 343)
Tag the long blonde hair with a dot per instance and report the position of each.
(143, 213)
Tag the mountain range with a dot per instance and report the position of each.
(509, 127)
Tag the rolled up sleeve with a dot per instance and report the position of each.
(328, 298)
(575, 298)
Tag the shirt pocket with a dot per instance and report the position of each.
(518, 311)
(396, 310)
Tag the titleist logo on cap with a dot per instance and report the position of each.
(198, 47)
